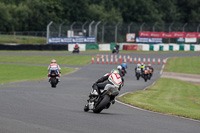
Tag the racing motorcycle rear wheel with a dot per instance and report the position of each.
(53, 82)
(105, 101)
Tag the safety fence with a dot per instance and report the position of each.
(119, 59)
(106, 32)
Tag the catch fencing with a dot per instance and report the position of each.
(116, 32)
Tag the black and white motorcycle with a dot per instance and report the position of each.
(53, 78)
(138, 73)
(102, 101)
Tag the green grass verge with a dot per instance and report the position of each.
(168, 96)
(36, 59)
(183, 65)
(13, 73)
(22, 39)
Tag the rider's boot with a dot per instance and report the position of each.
(94, 93)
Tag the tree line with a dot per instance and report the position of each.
(34, 15)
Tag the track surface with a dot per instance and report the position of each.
(35, 107)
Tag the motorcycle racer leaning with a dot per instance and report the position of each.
(54, 66)
(112, 78)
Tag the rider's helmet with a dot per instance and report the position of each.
(119, 67)
(142, 64)
(149, 64)
(53, 61)
(115, 71)
(138, 65)
(124, 65)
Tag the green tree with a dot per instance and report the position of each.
(5, 18)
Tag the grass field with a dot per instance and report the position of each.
(36, 59)
(171, 96)
(13, 73)
(168, 96)
(183, 65)
(22, 39)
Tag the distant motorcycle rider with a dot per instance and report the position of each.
(142, 67)
(150, 67)
(54, 66)
(138, 67)
(124, 67)
(112, 78)
(116, 49)
(76, 48)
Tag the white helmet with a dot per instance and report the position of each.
(53, 61)
(149, 64)
(119, 67)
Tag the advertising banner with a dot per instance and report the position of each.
(71, 40)
(198, 35)
(144, 33)
(130, 37)
(148, 40)
(169, 34)
(156, 34)
(191, 35)
(166, 35)
(178, 34)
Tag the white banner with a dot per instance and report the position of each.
(104, 47)
(190, 40)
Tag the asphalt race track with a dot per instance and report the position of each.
(35, 107)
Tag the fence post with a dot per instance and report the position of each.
(142, 26)
(96, 29)
(184, 27)
(48, 31)
(154, 26)
(170, 29)
(90, 28)
(198, 32)
(116, 31)
(84, 26)
(71, 27)
(129, 27)
(59, 34)
(103, 31)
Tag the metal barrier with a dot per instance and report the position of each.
(116, 32)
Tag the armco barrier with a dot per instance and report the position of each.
(34, 47)
(191, 47)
